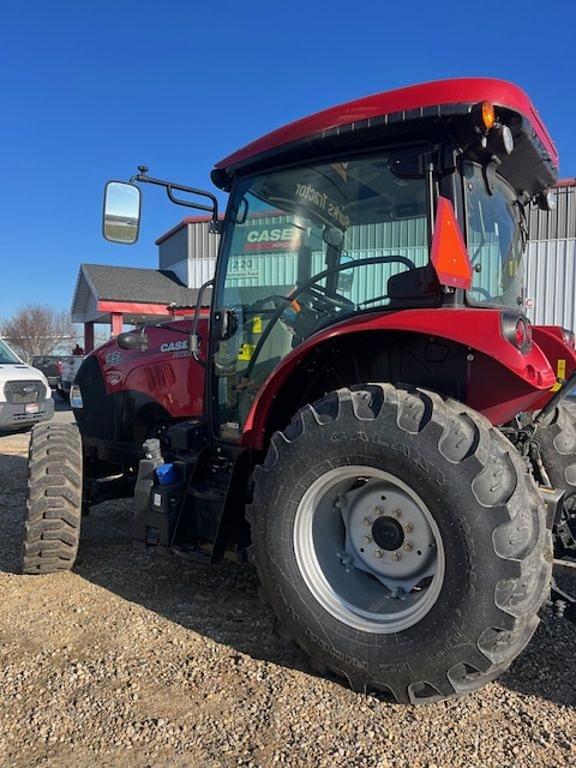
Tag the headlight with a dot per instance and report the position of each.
(76, 397)
(500, 140)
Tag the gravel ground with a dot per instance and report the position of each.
(140, 661)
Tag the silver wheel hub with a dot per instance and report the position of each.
(388, 537)
(369, 549)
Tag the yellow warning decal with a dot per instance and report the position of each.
(257, 324)
(246, 351)
(560, 374)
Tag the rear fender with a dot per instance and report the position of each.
(500, 380)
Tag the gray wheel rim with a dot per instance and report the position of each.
(368, 549)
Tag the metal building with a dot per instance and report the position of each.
(550, 277)
(189, 250)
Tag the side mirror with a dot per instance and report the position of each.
(131, 340)
(121, 219)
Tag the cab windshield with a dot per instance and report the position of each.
(7, 357)
(306, 247)
(495, 240)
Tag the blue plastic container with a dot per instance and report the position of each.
(166, 474)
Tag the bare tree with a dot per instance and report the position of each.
(38, 329)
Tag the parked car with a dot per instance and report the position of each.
(25, 396)
(51, 367)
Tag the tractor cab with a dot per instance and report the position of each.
(418, 203)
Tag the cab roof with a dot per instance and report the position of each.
(413, 102)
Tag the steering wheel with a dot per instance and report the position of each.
(324, 302)
(320, 295)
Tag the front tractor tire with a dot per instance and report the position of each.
(401, 542)
(54, 502)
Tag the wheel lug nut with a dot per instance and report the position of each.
(378, 554)
(408, 546)
(396, 556)
(379, 511)
(408, 527)
(367, 521)
(366, 539)
(397, 513)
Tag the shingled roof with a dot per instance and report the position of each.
(132, 290)
(137, 285)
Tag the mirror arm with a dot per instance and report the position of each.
(170, 187)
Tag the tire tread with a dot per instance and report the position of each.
(54, 499)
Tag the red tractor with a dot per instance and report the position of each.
(384, 434)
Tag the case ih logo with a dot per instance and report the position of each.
(272, 238)
(114, 378)
(174, 346)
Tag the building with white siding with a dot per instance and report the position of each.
(550, 271)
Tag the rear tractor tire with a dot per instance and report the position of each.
(54, 502)
(401, 542)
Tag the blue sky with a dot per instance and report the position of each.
(89, 90)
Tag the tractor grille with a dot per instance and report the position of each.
(20, 392)
(161, 375)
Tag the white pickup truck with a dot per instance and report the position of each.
(25, 396)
